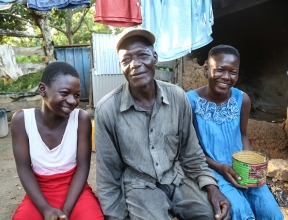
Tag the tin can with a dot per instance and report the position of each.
(251, 166)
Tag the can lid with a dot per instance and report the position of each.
(250, 157)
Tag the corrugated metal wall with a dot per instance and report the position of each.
(105, 58)
(106, 73)
(79, 58)
(103, 84)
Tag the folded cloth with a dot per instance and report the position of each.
(124, 13)
(47, 5)
(55, 188)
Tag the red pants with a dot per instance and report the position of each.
(55, 189)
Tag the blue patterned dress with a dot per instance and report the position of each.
(218, 131)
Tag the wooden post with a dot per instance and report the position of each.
(90, 106)
(178, 71)
(91, 103)
(286, 122)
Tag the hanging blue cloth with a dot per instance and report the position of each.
(179, 26)
(47, 5)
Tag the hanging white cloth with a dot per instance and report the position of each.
(8, 65)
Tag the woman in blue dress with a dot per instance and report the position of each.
(220, 114)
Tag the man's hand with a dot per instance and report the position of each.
(219, 202)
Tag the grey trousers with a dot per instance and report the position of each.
(163, 202)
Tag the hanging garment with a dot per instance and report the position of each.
(47, 5)
(179, 26)
(8, 65)
(124, 13)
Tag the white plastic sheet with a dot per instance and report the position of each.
(8, 65)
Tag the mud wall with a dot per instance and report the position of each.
(269, 138)
(193, 74)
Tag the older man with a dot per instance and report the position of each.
(149, 163)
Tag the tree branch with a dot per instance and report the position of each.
(20, 18)
(32, 23)
(58, 29)
(15, 33)
(80, 22)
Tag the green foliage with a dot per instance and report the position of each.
(21, 42)
(28, 59)
(10, 21)
(83, 35)
(17, 18)
(87, 26)
(23, 84)
(164, 69)
(62, 23)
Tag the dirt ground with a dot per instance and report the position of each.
(11, 190)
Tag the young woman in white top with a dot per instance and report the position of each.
(52, 150)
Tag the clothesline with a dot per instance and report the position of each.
(179, 26)
(45, 5)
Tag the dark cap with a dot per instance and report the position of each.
(131, 32)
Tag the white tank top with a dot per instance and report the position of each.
(61, 158)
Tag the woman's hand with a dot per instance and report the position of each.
(231, 176)
(54, 214)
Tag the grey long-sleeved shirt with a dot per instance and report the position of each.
(132, 144)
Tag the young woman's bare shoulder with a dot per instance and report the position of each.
(246, 99)
(17, 123)
(18, 117)
(200, 91)
(84, 116)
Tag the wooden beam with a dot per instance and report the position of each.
(164, 75)
(15, 33)
(237, 6)
(72, 45)
(168, 64)
(29, 51)
(28, 68)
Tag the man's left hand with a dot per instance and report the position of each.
(220, 203)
